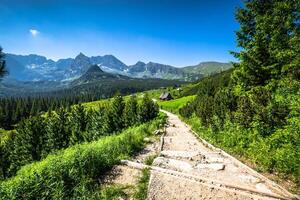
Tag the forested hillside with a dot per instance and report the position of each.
(36, 137)
(95, 84)
(254, 110)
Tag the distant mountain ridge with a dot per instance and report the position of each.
(156, 70)
(94, 74)
(207, 68)
(38, 68)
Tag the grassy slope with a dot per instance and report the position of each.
(175, 104)
(74, 171)
(152, 94)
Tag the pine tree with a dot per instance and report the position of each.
(131, 111)
(286, 37)
(58, 130)
(79, 121)
(29, 142)
(269, 38)
(115, 112)
(96, 123)
(147, 109)
(6, 149)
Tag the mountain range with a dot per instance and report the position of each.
(93, 84)
(38, 68)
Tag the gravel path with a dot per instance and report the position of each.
(189, 168)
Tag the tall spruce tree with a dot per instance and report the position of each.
(58, 130)
(131, 111)
(6, 150)
(29, 142)
(79, 122)
(147, 109)
(96, 123)
(116, 113)
(269, 38)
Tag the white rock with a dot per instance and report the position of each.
(263, 188)
(173, 164)
(180, 154)
(213, 166)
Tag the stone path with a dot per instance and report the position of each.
(190, 168)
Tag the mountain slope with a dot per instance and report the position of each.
(94, 73)
(207, 68)
(31, 67)
(109, 61)
(155, 70)
(78, 66)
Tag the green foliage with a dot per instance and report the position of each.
(115, 113)
(73, 173)
(147, 109)
(269, 36)
(6, 150)
(29, 142)
(208, 85)
(204, 109)
(142, 186)
(96, 123)
(112, 193)
(149, 160)
(175, 104)
(58, 127)
(131, 111)
(36, 137)
(13, 110)
(79, 121)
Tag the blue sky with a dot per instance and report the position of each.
(176, 32)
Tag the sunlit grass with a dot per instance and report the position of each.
(74, 171)
(175, 104)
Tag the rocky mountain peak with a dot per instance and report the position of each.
(81, 56)
(140, 63)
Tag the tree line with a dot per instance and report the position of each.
(38, 136)
(14, 109)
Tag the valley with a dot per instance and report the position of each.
(151, 125)
(35, 75)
